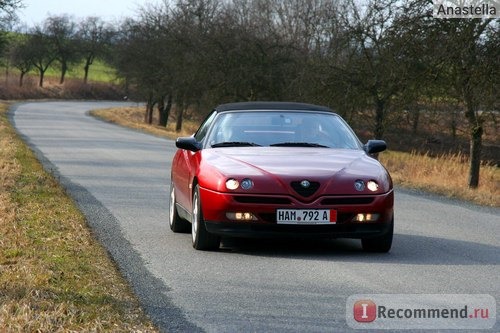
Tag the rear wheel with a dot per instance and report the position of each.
(381, 244)
(176, 223)
(202, 239)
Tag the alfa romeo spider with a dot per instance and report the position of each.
(277, 169)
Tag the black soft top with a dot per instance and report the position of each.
(271, 106)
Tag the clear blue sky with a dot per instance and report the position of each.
(36, 11)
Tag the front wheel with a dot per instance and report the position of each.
(202, 239)
(381, 244)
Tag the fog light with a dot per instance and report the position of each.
(241, 216)
(232, 184)
(366, 217)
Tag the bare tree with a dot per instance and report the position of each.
(62, 32)
(374, 61)
(251, 57)
(44, 52)
(94, 37)
(468, 52)
(21, 55)
(151, 74)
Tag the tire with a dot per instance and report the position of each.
(202, 239)
(176, 223)
(381, 244)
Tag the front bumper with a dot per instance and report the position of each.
(255, 230)
(215, 205)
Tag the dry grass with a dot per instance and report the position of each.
(446, 175)
(54, 277)
(133, 117)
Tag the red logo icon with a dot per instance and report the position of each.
(365, 311)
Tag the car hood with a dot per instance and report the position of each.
(273, 168)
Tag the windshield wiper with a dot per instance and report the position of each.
(234, 144)
(298, 144)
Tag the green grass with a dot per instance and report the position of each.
(99, 72)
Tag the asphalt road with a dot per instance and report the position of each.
(120, 180)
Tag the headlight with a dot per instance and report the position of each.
(359, 185)
(372, 185)
(232, 184)
(246, 184)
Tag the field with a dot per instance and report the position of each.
(102, 84)
(99, 72)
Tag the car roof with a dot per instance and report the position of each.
(251, 106)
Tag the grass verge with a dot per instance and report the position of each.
(133, 117)
(54, 277)
(445, 175)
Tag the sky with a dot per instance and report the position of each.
(36, 11)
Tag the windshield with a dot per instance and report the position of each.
(281, 128)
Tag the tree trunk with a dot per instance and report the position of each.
(64, 69)
(180, 114)
(148, 116)
(150, 113)
(42, 74)
(476, 144)
(89, 60)
(21, 78)
(168, 108)
(164, 111)
(476, 137)
(86, 73)
(415, 120)
(379, 119)
(161, 110)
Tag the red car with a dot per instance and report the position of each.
(261, 169)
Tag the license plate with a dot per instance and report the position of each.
(306, 216)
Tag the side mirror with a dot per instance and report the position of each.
(188, 143)
(375, 146)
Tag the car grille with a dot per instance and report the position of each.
(305, 191)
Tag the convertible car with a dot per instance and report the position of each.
(276, 169)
